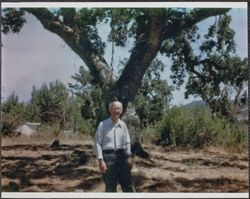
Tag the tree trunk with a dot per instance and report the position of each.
(145, 50)
(133, 123)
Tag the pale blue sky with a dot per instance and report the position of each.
(35, 56)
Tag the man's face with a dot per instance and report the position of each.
(116, 110)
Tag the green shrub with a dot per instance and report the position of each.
(13, 114)
(10, 122)
(197, 128)
(231, 136)
(149, 134)
(176, 127)
(86, 127)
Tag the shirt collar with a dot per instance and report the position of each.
(117, 124)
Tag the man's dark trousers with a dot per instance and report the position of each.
(117, 171)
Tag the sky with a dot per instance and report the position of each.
(35, 56)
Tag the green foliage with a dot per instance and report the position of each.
(53, 105)
(51, 102)
(150, 134)
(74, 113)
(232, 136)
(68, 15)
(92, 106)
(151, 102)
(154, 95)
(123, 25)
(86, 21)
(214, 70)
(175, 127)
(13, 114)
(12, 20)
(197, 128)
(86, 127)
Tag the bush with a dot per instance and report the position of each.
(10, 122)
(197, 128)
(86, 127)
(13, 114)
(175, 128)
(231, 136)
(149, 134)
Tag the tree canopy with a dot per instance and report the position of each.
(152, 30)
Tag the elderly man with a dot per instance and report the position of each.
(112, 149)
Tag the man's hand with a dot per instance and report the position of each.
(130, 162)
(102, 166)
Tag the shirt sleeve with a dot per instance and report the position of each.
(98, 142)
(128, 141)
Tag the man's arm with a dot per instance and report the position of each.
(98, 142)
(102, 165)
(98, 148)
(128, 148)
(128, 142)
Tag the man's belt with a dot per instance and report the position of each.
(115, 151)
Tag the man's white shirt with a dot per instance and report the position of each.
(110, 135)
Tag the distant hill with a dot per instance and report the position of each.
(243, 114)
(195, 103)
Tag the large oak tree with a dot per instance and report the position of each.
(153, 30)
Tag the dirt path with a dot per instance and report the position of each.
(72, 168)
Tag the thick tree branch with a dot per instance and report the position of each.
(145, 50)
(78, 43)
(196, 16)
(148, 44)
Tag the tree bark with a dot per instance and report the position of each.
(145, 50)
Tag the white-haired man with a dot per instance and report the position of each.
(113, 151)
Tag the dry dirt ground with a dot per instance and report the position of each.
(31, 165)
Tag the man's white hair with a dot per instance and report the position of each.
(113, 103)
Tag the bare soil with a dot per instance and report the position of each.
(31, 165)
